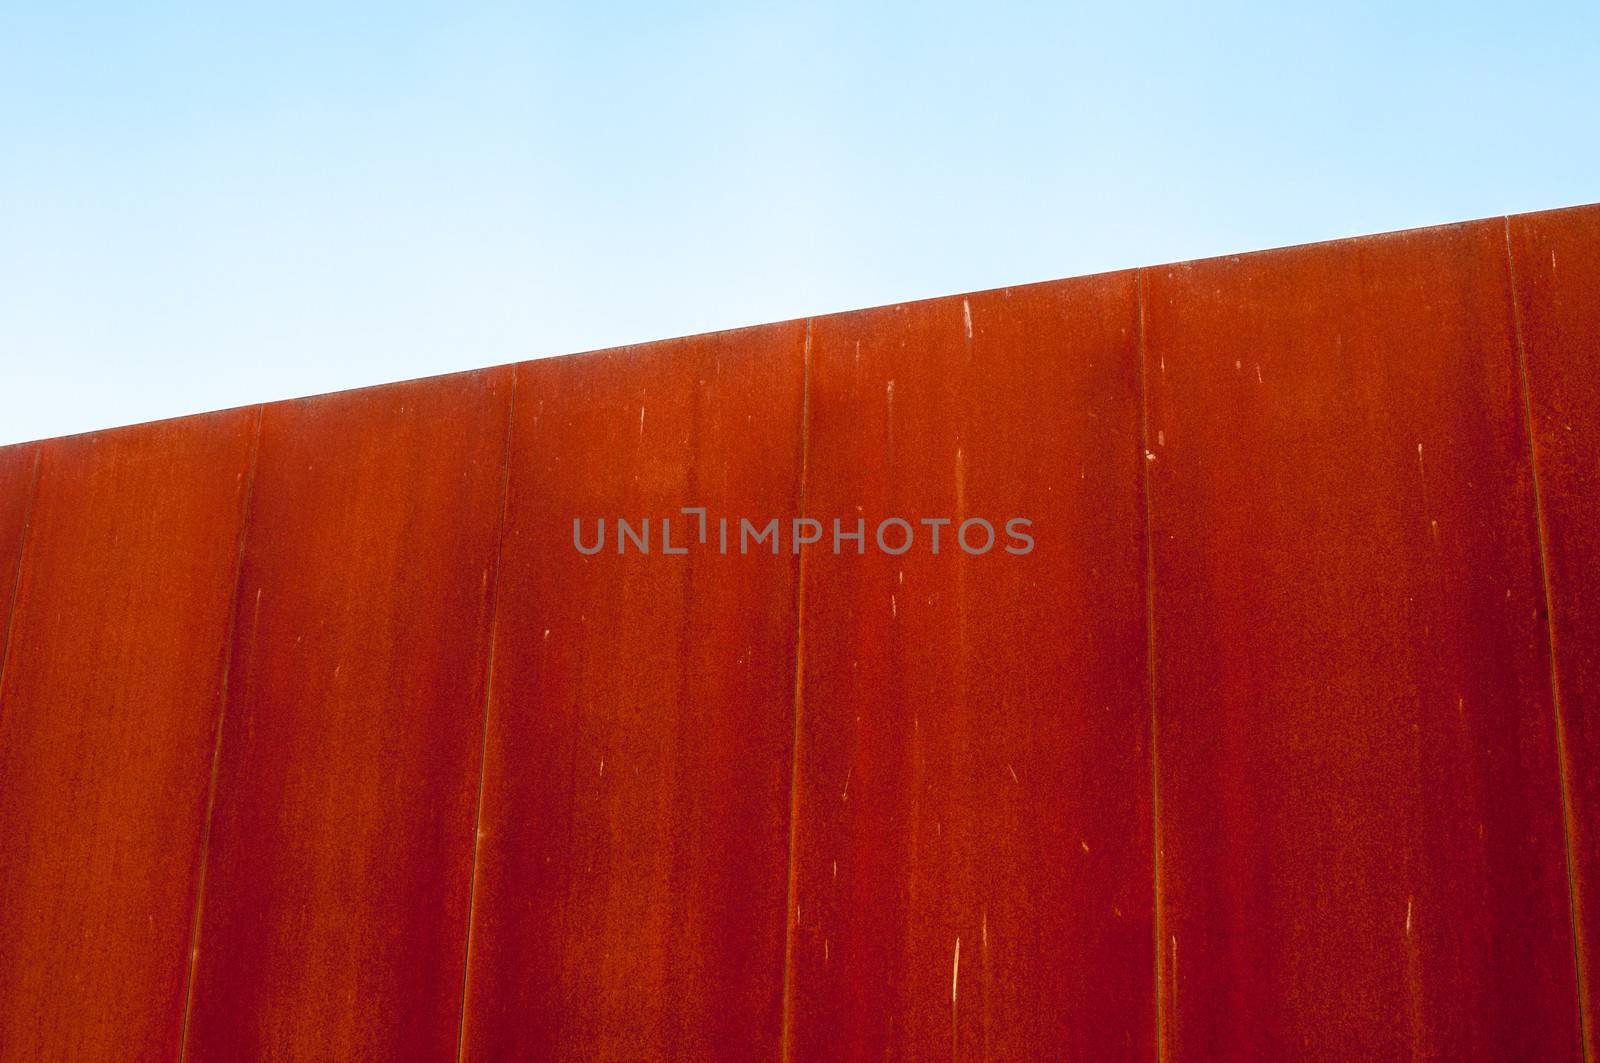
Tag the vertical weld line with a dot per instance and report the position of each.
(1157, 921)
(488, 700)
(16, 574)
(193, 964)
(784, 1046)
(1574, 902)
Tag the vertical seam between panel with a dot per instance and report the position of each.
(792, 894)
(1156, 920)
(192, 966)
(16, 573)
(1562, 767)
(488, 700)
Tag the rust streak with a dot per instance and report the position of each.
(792, 905)
(1150, 678)
(488, 700)
(1563, 763)
(216, 744)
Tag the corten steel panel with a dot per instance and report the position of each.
(107, 726)
(1360, 816)
(634, 833)
(1556, 256)
(972, 858)
(17, 465)
(334, 908)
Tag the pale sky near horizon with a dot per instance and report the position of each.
(204, 205)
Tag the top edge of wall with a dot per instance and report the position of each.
(735, 330)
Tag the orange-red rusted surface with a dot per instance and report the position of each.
(319, 738)
(17, 465)
(973, 860)
(334, 918)
(1556, 256)
(634, 836)
(1360, 817)
(107, 719)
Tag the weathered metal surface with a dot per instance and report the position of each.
(1360, 817)
(633, 853)
(334, 916)
(325, 691)
(17, 467)
(972, 857)
(107, 722)
(1556, 260)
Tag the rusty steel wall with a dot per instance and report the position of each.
(319, 739)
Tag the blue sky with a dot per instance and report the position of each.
(203, 205)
